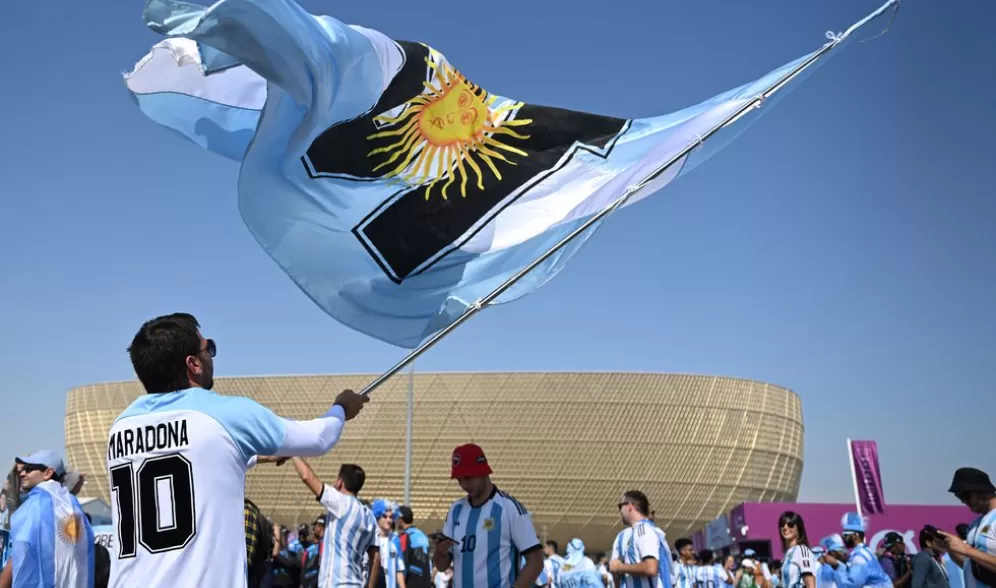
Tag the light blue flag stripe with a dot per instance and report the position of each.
(321, 74)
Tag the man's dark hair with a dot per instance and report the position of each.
(352, 477)
(706, 557)
(554, 545)
(160, 349)
(962, 530)
(406, 515)
(638, 500)
(681, 543)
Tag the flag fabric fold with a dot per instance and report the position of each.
(51, 540)
(867, 477)
(390, 188)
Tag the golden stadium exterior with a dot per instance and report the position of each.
(566, 445)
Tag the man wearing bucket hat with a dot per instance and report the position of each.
(484, 529)
(862, 568)
(977, 553)
(577, 569)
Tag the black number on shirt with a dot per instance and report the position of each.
(805, 563)
(173, 470)
(469, 543)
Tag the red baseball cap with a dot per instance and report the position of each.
(469, 461)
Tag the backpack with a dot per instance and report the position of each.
(415, 554)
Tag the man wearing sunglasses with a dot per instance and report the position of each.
(177, 459)
(50, 537)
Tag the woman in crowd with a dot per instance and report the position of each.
(799, 566)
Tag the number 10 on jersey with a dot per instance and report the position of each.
(155, 504)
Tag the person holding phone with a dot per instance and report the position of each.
(976, 553)
(484, 529)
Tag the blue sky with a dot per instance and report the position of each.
(842, 247)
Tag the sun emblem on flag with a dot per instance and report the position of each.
(70, 528)
(451, 126)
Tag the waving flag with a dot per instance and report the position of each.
(394, 191)
(51, 540)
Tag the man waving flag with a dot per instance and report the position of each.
(391, 188)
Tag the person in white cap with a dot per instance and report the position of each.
(50, 536)
(862, 568)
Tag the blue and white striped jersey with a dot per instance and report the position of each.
(638, 542)
(349, 535)
(711, 576)
(490, 540)
(391, 562)
(982, 536)
(799, 562)
(684, 575)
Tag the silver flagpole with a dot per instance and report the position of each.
(757, 102)
(408, 435)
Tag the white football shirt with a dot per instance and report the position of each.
(799, 562)
(639, 542)
(350, 534)
(982, 536)
(490, 540)
(177, 465)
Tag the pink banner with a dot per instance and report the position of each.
(757, 523)
(867, 477)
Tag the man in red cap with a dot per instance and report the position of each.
(486, 531)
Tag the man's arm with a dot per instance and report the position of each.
(258, 431)
(309, 477)
(7, 576)
(957, 546)
(373, 554)
(532, 569)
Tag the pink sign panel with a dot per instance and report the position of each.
(753, 521)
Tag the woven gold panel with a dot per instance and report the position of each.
(566, 445)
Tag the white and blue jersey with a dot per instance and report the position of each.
(177, 465)
(799, 562)
(982, 536)
(391, 562)
(639, 542)
(711, 576)
(350, 534)
(490, 538)
(862, 569)
(684, 575)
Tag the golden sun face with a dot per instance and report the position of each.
(447, 129)
(69, 529)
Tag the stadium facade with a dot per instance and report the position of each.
(567, 445)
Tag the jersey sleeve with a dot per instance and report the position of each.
(254, 429)
(646, 542)
(332, 500)
(521, 529)
(803, 557)
(617, 548)
(314, 437)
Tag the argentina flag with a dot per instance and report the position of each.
(392, 189)
(51, 540)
